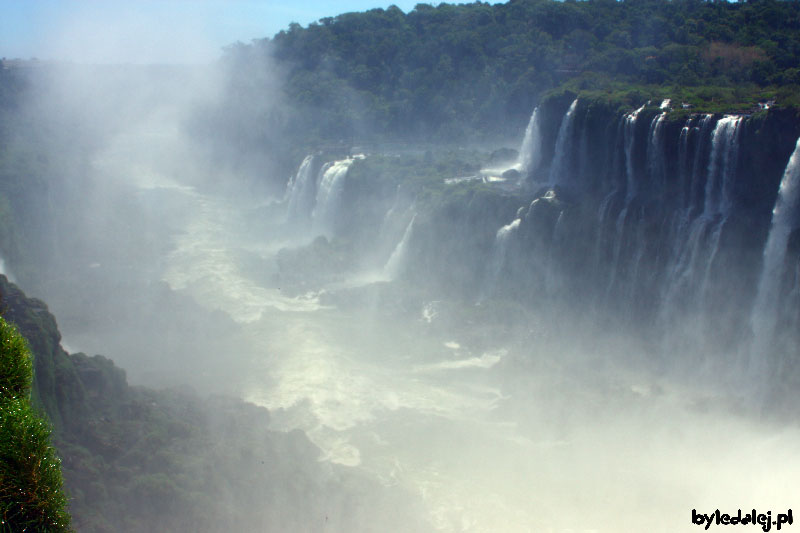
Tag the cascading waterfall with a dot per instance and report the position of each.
(687, 241)
(552, 274)
(629, 132)
(530, 152)
(396, 262)
(395, 222)
(602, 232)
(684, 156)
(682, 215)
(629, 138)
(655, 150)
(559, 168)
(785, 219)
(499, 256)
(605, 232)
(300, 191)
(696, 183)
(722, 166)
(329, 195)
(698, 239)
(721, 173)
(684, 239)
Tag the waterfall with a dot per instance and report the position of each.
(655, 151)
(561, 155)
(721, 174)
(530, 152)
(499, 255)
(694, 247)
(601, 234)
(630, 137)
(300, 191)
(684, 172)
(329, 195)
(696, 178)
(722, 165)
(394, 266)
(619, 235)
(680, 226)
(393, 223)
(552, 273)
(785, 218)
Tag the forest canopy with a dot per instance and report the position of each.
(437, 71)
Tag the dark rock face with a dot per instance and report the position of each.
(57, 386)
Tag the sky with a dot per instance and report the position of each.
(150, 31)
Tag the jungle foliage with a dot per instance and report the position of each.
(446, 70)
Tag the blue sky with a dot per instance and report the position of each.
(150, 31)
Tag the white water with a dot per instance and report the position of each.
(206, 263)
(785, 218)
(718, 203)
(329, 195)
(722, 165)
(397, 261)
(300, 190)
(684, 175)
(696, 175)
(499, 253)
(630, 138)
(698, 231)
(656, 164)
(530, 151)
(562, 153)
(528, 158)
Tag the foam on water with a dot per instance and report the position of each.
(204, 263)
(486, 360)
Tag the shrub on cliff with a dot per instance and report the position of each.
(31, 495)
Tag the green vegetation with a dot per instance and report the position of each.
(452, 72)
(418, 172)
(31, 495)
(743, 98)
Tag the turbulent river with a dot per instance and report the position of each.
(495, 420)
(507, 431)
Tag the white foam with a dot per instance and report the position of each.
(487, 360)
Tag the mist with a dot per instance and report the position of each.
(484, 342)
